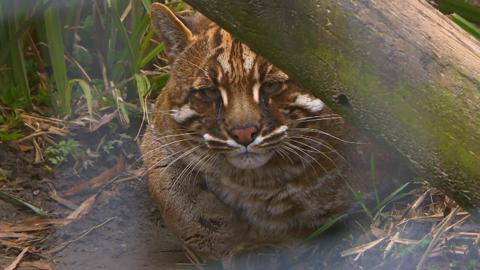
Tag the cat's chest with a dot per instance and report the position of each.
(286, 199)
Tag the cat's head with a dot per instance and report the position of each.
(234, 101)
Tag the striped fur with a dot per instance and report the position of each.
(216, 194)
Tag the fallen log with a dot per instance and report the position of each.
(399, 69)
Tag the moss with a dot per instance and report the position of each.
(422, 121)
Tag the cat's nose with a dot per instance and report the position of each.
(244, 135)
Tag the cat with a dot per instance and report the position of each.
(238, 154)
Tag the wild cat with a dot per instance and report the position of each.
(238, 154)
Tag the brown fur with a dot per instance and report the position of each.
(215, 207)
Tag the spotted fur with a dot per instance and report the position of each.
(218, 195)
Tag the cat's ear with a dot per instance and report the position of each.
(171, 30)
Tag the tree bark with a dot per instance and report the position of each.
(399, 69)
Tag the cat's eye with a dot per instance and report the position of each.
(272, 88)
(206, 94)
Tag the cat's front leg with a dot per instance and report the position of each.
(206, 225)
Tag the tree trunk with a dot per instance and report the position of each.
(399, 69)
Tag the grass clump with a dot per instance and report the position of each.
(77, 58)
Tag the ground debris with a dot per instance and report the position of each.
(98, 180)
(17, 260)
(431, 233)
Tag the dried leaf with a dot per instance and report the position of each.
(38, 264)
(98, 180)
(69, 204)
(103, 121)
(82, 210)
(361, 248)
(15, 235)
(31, 225)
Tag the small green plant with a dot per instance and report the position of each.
(8, 128)
(61, 153)
(13, 98)
(380, 204)
(111, 145)
(8, 136)
(10, 121)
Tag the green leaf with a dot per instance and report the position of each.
(152, 54)
(468, 11)
(121, 106)
(13, 97)
(471, 28)
(6, 136)
(393, 195)
(53, 29)
(113, 5)
(87, 93)
(147, 4)
(17, 68)
(143, 88)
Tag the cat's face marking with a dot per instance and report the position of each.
(309, 103)
(241, 106)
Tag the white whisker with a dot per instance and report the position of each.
(321, 143)
(308, 155)
(291, 150)
(324, 133)
(314, 150)
(153, 151)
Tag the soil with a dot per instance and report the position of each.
(135, 238)
(19, 175)
(132, 238)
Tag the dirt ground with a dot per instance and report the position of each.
(122, 229)
(134, 238)
(128, 232)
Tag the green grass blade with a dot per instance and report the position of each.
(143, 87)
(87, 93)
(20, 202)
(325, 226)
(379, 210)
(147, 4)
(122, 108)
(141, 36)
(151, 55)
(139, 31)
(147, 39)
(373, 171)
(467, 11)
(392, 196)
(117, 23)
(17, 60)
(471, 28)
(115, 71)
(358, 197)
(39, 8)
(53, 29)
